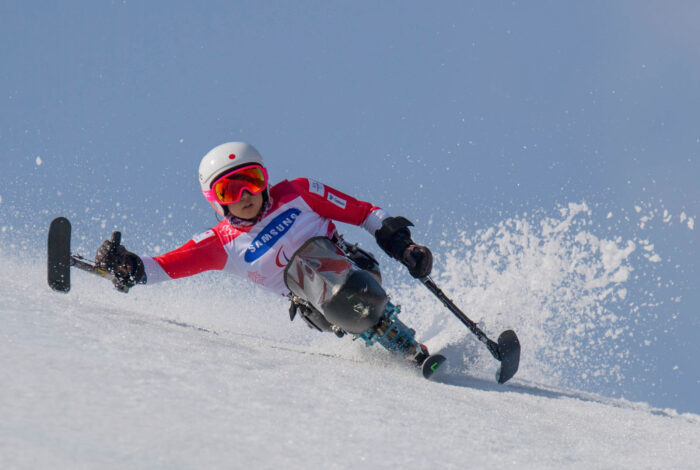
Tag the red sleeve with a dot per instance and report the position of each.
(203, 253)
(331, 203)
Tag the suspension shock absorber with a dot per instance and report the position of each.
(395, 336)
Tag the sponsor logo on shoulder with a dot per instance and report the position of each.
(203, 236)
(270, 234)
(316, 188)
(338, 201)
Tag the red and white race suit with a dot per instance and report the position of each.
(300, 209)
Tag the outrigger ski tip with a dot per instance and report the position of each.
(60, 259)
(509, 355)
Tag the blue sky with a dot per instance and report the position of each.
(459, 113)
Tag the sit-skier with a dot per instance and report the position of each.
(283, 238)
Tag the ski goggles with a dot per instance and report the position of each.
(229, 188)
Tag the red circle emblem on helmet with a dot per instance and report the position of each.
(232, 157)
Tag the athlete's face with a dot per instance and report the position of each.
(248, 206)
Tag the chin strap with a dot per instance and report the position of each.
(264, 209)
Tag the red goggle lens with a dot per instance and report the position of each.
(229, 188)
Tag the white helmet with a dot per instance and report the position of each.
(225, 158)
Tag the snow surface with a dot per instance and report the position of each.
(202, 374)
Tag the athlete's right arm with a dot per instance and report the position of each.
(204, 252)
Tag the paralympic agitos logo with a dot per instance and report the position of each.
(269, 235)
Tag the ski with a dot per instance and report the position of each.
(431, 364)
(59, 258)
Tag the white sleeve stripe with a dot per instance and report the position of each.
(154, 272)
(374, 220)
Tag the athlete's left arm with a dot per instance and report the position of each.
(392, 233)
(333, 204)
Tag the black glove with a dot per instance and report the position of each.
(394, 238)
(418, 259)
(126, 267)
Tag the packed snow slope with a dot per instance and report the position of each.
(201, 374)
